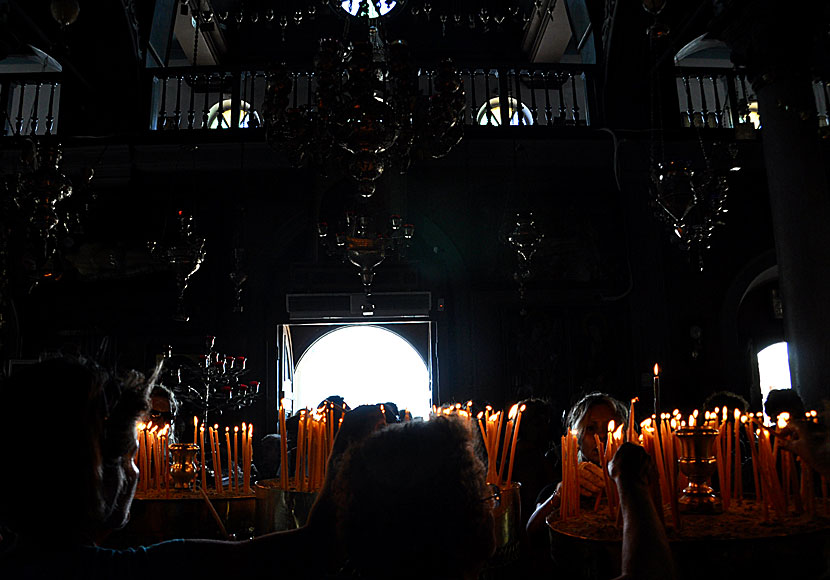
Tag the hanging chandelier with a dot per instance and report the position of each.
(524, 238)
(184, 253)
(366, 245)
(368, 114)
(692, 202)
(41, 211)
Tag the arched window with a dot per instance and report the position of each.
(364, 364)
(353, 6)
(490, 113)
(220, 115)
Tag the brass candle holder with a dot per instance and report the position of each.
(697, 461)
(183, 470)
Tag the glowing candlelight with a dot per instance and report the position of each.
(235, 456)
(656, 386)
(513, 448)
(195, 425)
(230, 456)
(202, 442)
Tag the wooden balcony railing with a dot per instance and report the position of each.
(30, 103)
(537, 95)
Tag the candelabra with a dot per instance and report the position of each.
(214, 386)
(185, 253)
(368, 113)
(365, 245)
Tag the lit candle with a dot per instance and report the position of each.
(217, 461)
(631, 429)
(513, 448)
(204, 455)
(195, 425)
(230, 457)
(248, 459)
(656, 389)
(235, 456)
(142, 474)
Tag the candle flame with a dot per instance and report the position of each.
(470, 403)
(783, 419)
(522, 408)
(513, 410)
(618, 433)
(236, 429)
(195, 421)
(480, 415)
(695, 413)
(154, 429)
(724, 413)
(673, 423)
(201, 428)
(656, 370)
(737, 414)
(611, 426)
(645, 423)
(227, 429)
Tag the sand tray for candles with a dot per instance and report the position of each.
(737, 543)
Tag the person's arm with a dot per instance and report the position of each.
(645, 547)
(591, 483)
(808, 440)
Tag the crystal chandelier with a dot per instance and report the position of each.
(368, 114)
(185, 254)
(525, 238)
(41, 211)
(691, 202)
(365, 245)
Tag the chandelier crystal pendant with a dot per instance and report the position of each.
(368, 114)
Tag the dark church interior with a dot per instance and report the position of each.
(541, 198)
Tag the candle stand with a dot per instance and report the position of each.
(697, 461)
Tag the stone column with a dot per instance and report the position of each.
(777, 45)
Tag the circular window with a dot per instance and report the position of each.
(490, 113)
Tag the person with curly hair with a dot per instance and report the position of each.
(416, 490)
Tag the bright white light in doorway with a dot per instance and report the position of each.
(365, 365)
(774, 368)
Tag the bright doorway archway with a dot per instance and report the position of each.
(364, 364)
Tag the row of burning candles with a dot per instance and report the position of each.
(778, 481)
(156, 456)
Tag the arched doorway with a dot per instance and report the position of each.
(364, 364)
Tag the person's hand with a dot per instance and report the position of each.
(631, 465)
(591, 480)
(808, 440)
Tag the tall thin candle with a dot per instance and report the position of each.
(204, 455)
(513, 447)
(230, 457)
(235, 457)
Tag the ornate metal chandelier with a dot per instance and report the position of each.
(365, 245)
(692, 202)
(524, 238)
(368, 114)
